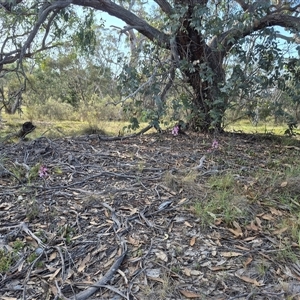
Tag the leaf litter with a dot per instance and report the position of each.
(89, 218)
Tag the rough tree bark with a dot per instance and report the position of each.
(191, 47)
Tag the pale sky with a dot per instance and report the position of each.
(109, 20)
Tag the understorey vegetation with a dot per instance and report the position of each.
(208, 63)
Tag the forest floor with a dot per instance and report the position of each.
(150, 217)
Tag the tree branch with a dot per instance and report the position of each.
(47, 30)
(169, 84)
(291, 39)
(128, 17)
(9, 4)
(42, 17)
(165, 6)
(14, 55)
(228, 38)
(19, 54)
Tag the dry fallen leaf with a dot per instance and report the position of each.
(280, 231)
(52, 256)
(50, 268)
(283, 184)
(250, 238)
(248, 261)
(156, 279)
(133, 210)
(196, 273)
(192, 241)
(31, 241)
(94, 223)
(236, 232)
(161, 255)
(231, 254)
(252, 226)
(242, 248)
(258, 222)
(5, 206)
(186, 223)
(187, 271)
(132, 241)
(54, 274)
(182, 201)
(267, 217)
(218, 221)
(108, 263)
(236, 225)
(276, 212)
(250, 280)
(189, 294)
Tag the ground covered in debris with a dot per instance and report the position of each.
(150, 217)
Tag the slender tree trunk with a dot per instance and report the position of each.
(202, 67)
(13, 105)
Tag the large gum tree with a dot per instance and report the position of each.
(198, 34)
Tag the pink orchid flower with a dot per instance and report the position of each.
(43, 171)
(175, 130)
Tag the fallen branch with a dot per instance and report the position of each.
(118, 138)
(108, 276)
(114, 268)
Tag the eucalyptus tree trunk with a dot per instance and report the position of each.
(204, 73)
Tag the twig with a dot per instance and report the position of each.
(25, 228)
(112, 289)
(200, 166)
(149, 223)
(63, 269)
